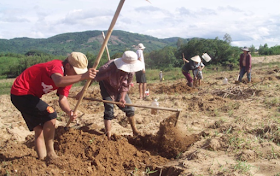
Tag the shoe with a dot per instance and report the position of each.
(190, 84)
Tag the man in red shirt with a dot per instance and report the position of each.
(41, 79)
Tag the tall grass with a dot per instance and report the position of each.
(5, 86)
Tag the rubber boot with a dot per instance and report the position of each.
(133, 125)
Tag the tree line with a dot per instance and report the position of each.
(167, 58)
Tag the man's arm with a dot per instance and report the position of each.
(63, 81)
(250, 62)
(64, 105)
(185, 60)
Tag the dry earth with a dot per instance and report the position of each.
(223, 129)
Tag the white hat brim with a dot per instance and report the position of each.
(245, 49)
(196, 59)
(129, 68)
(80, 70)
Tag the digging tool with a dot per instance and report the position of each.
(110, 30)
(106, 47)
(238, 77)
(140, 106)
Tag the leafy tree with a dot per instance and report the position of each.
(179, 42)
(35, 53)
(163, 59)
(227, 38)
(264, 50)
(220, 51)
(252, 49)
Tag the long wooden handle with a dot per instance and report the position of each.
(108, 55)
(134, 105)
(110, 30)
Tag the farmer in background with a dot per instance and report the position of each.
(197, 72)
(189, 65)
(245, 64)
(140, 75)
(41, 79)
(114, 79)
(161, 76)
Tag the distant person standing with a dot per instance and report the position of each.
(161, 76)
(140, 75)
(245, 64)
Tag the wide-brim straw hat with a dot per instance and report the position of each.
(129, 62)
(196, 58)
(245, 48)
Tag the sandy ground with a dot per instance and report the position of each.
(222, 129)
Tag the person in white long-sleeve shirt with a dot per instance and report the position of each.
(140, 75)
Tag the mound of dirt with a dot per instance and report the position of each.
(174, 88)
(81, 153)
(169, 142)
(89, 152)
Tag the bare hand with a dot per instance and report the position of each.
(91, 73)
(72, 115)
(123, 102)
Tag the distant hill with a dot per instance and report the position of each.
(88, 41)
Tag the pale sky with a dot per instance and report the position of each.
(248, 22)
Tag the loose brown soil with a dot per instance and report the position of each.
(223, 129)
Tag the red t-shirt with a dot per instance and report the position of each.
(36, 80)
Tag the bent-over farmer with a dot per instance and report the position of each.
(114, 79)
(41, 79)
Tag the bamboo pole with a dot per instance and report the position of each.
(110, 30)
(108, 55)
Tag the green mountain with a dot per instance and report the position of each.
(86, 42)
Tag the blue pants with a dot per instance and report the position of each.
(242, 73)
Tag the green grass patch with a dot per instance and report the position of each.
(5, 87)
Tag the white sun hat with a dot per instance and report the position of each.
(141, 46)
(245, 48)
(129, 62)
(196, 58)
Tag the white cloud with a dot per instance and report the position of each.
(248, 22)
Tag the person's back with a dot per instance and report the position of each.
(36, 80)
